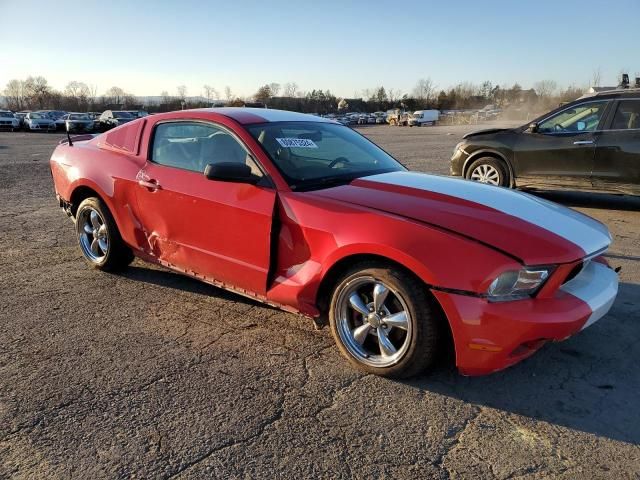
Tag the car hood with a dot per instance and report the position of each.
(530, 229)
(487, 131)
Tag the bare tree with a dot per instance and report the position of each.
(210, 93)
(78, 93)
(15, 94)
(73, 89)
(37, 91)
(424, 90)
(394, 95)
(93, 93)
(545, 88)
(182, 92)
(115, 95)
(290, 89)
(275, 88)
(596, 77)
(228, 93)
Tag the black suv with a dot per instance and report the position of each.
(592, 143)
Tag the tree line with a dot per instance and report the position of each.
(36, 93)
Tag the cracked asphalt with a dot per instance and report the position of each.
(149, 374)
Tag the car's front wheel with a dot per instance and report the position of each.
(384, 321)
(488, 170)
(99, 237)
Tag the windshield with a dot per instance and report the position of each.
(581, 118)
(6, 114)
(78, 116)
(38, 115)
(122, 115)
(315, 155)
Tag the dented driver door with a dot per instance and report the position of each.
(214, 229)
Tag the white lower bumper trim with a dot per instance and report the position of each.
(597, 286)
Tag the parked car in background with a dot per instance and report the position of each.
(489, 112)
(8, 121)
(591, 144)
(20, 116)
(52, 114)
(381, 117)
(371, 119)
(302, 213)
(39, 121)
(114, 118)
(421, 118)
(137, 113)
(77, 122)
(61, 122)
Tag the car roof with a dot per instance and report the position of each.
(247, 116)
(615, 93)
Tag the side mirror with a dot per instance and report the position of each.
(230, 172)
(533, 127)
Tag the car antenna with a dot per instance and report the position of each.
(66, 124)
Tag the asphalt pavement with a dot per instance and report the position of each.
(148, 374)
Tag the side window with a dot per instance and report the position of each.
(627, 115)
(194, 145)
(580, 118)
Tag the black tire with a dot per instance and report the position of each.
(423, 340)
(488, 163)
(118, 255)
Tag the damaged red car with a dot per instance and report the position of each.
(308, 215)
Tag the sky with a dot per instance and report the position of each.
(147, 47)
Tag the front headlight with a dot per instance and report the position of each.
(517, 284)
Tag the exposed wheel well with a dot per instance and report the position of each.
(80, 194)
(500, 158)
(341, 266)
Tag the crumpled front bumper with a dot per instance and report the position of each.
(492, 336)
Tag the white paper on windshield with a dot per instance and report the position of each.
(296, 143)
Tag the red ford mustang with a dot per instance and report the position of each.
(308, 215)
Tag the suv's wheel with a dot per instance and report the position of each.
(488, 170)
(99, 237)
(383, 320)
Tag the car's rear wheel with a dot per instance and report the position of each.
(488, 170)
(99, 237)
(383, 321)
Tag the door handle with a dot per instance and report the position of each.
(583, 142)
(150, 184)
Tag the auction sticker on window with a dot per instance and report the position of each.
(296, 143)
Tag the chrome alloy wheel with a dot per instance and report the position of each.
(373, 322)
(486, 174)
(93, 234)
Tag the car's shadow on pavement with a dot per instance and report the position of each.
(588, 383)
(590, 200)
